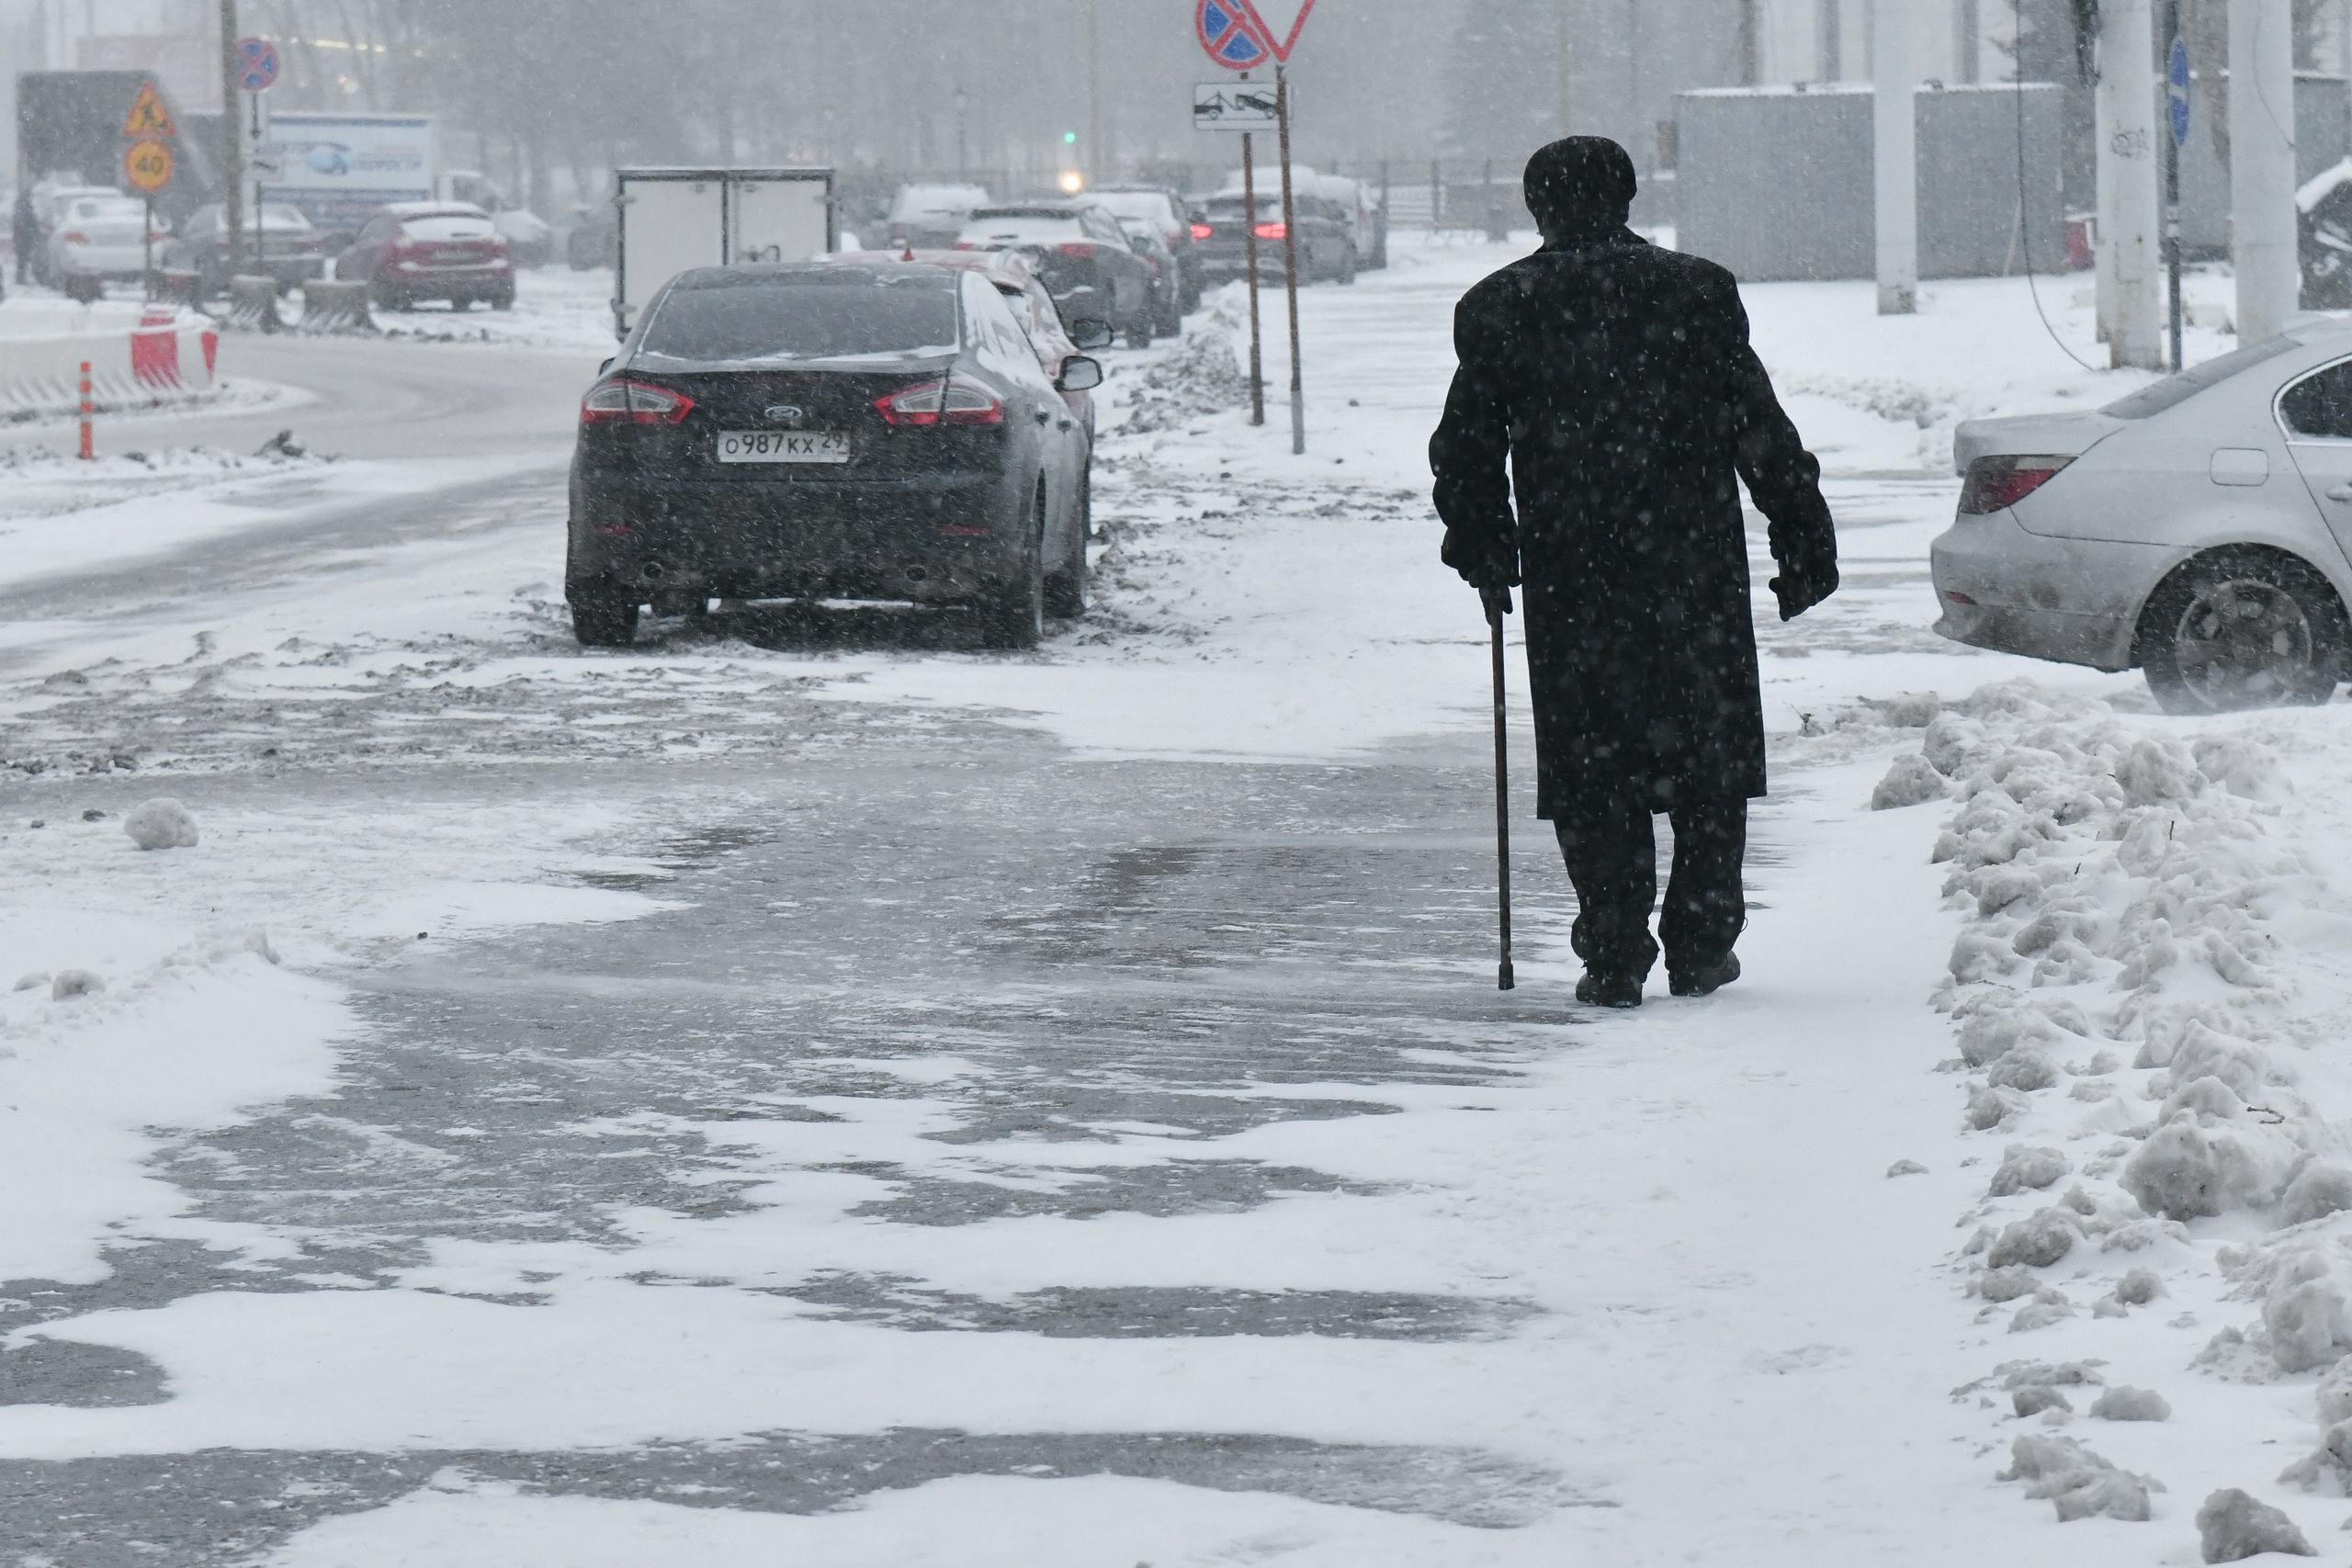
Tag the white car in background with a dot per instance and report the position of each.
(929, 216)
(2199, 530)
(104, 238)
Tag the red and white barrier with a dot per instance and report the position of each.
(138, 356)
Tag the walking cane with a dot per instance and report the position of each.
(1496, 599)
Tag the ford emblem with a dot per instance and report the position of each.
(786, 415)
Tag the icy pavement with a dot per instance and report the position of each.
(807, 1088)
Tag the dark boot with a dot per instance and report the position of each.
(1602, 988)
(1704, 980)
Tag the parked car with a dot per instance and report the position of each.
(1169, 212)
(2197, 530)
(530, 238)
(1057, 342)
(431, 250)
(1080, 252)
(1355, 204)
(1167, 278)
(102, 239)
(592, 236)
(836, 429)
(927, 217)
(1326, 245)
(291, 250)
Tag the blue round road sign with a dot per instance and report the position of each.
(257, 65)
(1228, 35)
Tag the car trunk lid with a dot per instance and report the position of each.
(2033, 435)
(836, 397)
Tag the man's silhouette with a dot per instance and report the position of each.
(1610, 386)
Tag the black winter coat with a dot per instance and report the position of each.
(1618, 382)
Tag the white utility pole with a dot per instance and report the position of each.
(2262, 167)
(1896, 158)
(2133, 247)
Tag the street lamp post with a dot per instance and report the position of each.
(963, 151)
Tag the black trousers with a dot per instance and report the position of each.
(1612, 850)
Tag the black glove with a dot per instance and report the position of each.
(1488, 564)
(1800, 589)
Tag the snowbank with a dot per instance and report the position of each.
(2154, 893)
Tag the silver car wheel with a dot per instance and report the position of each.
(2243, 643)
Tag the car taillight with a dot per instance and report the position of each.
(633, 402)
(1203, 232)
(1273, 231)
(1995, 483)
(948, 401)
(74, 237)
(966, 245)
(1076, 248)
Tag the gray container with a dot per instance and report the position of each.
(1775, 183)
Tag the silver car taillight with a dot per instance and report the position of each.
(1995, 483)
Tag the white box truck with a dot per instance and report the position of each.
(339, 169)
(670, 220)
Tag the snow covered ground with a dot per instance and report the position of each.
(2031, 1093)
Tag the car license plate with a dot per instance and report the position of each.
(782, 446)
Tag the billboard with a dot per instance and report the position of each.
(340, 168)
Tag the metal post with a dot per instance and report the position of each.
(1290, 267)
(2127, 57)
(89, 437)
(147, 265)
(2262, 167)
(1094, 94)
(233, 145)
(1437, 194)
(1896, 159)
(1250, 228)
(2172, 200)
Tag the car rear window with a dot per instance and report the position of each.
(447, 226)
(1021, 227)
(120, 209)
(1144, 206)
(1235, 206)
(847, 318)
(2151, 400)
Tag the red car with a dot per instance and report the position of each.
(431, 250)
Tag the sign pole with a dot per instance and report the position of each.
(1290, 266)
(233, 149)
(147, 267)
(1249, 226)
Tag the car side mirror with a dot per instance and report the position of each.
(1091, 334)
(1080, 374)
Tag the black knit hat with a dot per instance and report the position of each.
(1580, 182)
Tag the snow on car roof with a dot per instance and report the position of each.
(1006, 269)
(406, 210)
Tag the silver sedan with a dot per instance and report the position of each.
(2197, 530)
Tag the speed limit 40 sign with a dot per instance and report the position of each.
(148, 165)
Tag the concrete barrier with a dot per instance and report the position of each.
(340, 309)
(138, 357)
(253, 304)
(178, 286)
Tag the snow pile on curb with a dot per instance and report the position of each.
(2142, 893)
(1204, 375)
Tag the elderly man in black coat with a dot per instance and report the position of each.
(1610, 386)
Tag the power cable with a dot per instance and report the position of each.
(2025, 228)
